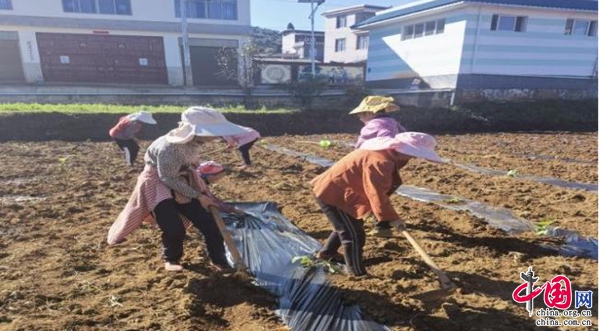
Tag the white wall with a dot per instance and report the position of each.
(332, 33)
(287, 43)
(390, 57)
(142, 10)
(542, 50)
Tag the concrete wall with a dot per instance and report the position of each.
(141, 10)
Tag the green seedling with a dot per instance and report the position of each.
(325, 143)
(308, 262)
(512, 173)
(454, 200)
(541, 227)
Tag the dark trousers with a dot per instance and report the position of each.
(348, 233)
(130, 148)
(245, 151)
(173, 232)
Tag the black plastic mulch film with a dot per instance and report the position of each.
(268, 242)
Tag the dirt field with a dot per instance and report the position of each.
(58, 273)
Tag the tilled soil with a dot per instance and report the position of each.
(59, 199)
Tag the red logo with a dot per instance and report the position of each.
(557, 291)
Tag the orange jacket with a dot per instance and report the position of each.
(361, 182)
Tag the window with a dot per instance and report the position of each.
(340, 45)
(212, 9)
(508, 23)
(581, 27)
(111, 7)
(424, 29)
(6, 4)
(362, 42)
(340, 22)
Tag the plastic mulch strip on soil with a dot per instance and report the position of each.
(547, 157)
(268, 242)
(545, 180)
(501, 218)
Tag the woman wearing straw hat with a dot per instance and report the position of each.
(124, 132)
(374, 112)
(360, 183)
(163, 192)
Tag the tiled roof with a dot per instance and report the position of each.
(584, 5)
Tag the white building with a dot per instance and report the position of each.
(343, 44)
(296, 44)
(485, 44)
(116, 41)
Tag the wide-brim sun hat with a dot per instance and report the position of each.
(375, 104)
(415, 144)
(202, 121)
(142, 116)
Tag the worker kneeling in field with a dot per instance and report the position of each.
(164, 189)
(361, 183)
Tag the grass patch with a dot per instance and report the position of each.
(12, 108)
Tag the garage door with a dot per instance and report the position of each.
(11, 67)
(80, 58)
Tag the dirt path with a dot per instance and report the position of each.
(58, 273)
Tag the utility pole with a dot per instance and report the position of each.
(187, 63)
(313, 9)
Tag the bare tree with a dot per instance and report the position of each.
(240, 64)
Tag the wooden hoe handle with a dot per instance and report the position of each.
(443, 278)
(238, 263)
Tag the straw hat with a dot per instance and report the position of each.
(374, 104)
(142, 116)
(202, 121)
(415, 144)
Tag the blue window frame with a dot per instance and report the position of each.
(6, 4)
(211, 9)
(109, 7)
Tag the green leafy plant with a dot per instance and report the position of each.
(454, 200)
(309, 262)
(541, 227)
(512, 173)
(62, 161)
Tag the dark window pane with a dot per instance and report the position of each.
(87, 6)
(494, 22)
(409, 31)
(106, 6)
(521, 24)
(441, 25)
(418, 30)
(429, 28)
(569, 26)
(71, 6)
(593, 29)
(123, 7)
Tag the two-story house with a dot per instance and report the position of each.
(117, 41)
(296, 44)
(495, 46)
(343, 44)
